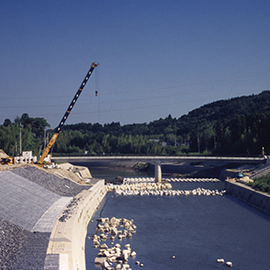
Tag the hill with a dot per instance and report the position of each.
(233, 126)
(237, 126)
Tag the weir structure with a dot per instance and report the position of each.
(158, 160)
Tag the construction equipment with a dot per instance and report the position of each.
(7, 161)
(70, 107)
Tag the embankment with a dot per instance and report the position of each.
(66, 249)
(248, 195)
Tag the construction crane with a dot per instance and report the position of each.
(62, 122)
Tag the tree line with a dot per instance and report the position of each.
(237, 126)
(25, 133)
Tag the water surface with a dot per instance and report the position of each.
(197, 230)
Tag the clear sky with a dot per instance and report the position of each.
(157, 57)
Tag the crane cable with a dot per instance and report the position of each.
(97, 89)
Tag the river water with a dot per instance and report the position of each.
(196, 230)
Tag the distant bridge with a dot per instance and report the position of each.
(158, 160)
(161, 158)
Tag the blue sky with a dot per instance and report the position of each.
(157, 57)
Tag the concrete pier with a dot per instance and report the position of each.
(158, 174)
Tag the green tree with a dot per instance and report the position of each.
(7, 122)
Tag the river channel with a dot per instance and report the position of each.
(186, 232)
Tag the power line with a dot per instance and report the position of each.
(132, 100)
(138, 91)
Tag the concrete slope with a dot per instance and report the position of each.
(23, 202)
(48, 219)
(260, 171)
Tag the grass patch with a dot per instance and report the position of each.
(261, 183)
(142, 166)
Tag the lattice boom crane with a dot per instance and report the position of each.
(70, 107)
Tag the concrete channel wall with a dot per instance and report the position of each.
(248, 195)
(66, 249)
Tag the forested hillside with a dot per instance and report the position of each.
(234, 126)
(238, 126)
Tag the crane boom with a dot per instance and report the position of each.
(63, 120)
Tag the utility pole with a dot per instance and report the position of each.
(20, 140)
(45, 142)
(16, 149)
(198, 140)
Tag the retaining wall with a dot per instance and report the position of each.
(248, 195)
(66, 249)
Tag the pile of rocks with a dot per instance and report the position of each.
(111, 229)
(166, 192)
(139, 186)
(128, 180)
(192, 180)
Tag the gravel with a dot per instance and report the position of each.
(33, 253)
(12, 240)
(60, 186)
